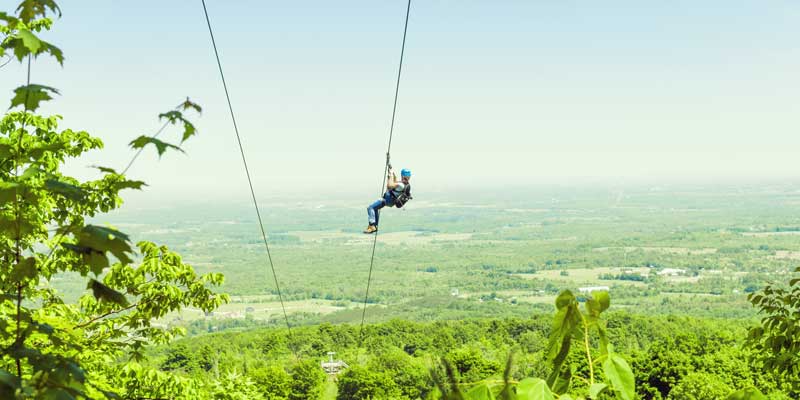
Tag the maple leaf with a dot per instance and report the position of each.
(190, 104)
(65, 189)
(174, 118)
(161, 146)
(31, 95)
(102, 239)
(28, 10)
(105, 169)
(105, 293)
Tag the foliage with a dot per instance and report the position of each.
(235, 386)
(407, 352)
(699, 386)
(408, 373)
(307, 380)
(362, 383)
(570, 323)
(776, 341)
(273, 381)
(52, 348)
(470, 365)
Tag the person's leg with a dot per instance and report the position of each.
(373, 211)
(388, 199)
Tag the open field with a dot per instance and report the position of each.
(484, 255)
(587, 276)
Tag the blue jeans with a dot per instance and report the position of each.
(374, 209)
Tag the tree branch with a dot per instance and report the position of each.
(101, 316)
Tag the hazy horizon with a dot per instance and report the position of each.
(493, 94)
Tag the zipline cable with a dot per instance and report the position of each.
(247, 172)
(386, 167)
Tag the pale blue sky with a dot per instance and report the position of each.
(493, 91)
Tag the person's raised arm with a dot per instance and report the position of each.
(391, 180)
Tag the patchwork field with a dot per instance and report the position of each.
(658, 252)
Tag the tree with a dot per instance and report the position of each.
(471, 365)
(235, 386)
(776, 340)
(273, 381)
(410, 376)
(52, 349)
(307, 380)
(362, 383)
(699, 386)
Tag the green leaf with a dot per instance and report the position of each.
(29, 40)
(5, 151)
(104, 293)
(8, 191)
(31, 172)
(603, 298)
(564, 299)
(106, 170)
(750, 393)
(54, 51)
(565, 323)
(794, 281)
(10, 226)
(188, 104)
(172, 116)
(55, 394)
(28, 10)
(592, 308)
(126, 184)
(67, 190)
(161, 147)
(175, 117)
(77, 249)
(480, 392)
(8, 385)
(30, 96)
(44, 328)
(534, 389)
(102, 239)
(619, 376)
(596, 389)
(560, 381)
(24, 270)
(188, 130)
(603, 336)
(96, 260)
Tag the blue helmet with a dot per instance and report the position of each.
(405, 173)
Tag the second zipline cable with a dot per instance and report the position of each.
(247, 172)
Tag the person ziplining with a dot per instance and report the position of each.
(397, 194)
(391, 180)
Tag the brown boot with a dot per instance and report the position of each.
(371, 229)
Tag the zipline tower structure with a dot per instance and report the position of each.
(333, 367)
